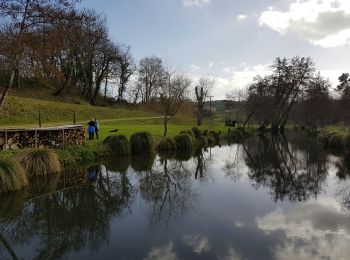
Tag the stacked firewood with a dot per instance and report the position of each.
(42, 138)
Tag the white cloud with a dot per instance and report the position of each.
(324, 23)
(162, 253)
(211, 64)
(235, 77)
(195, 68)
(241, 17)
(199, 243)
(199, 3)
(313, 231)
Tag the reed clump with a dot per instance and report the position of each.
(201, 138)
(12, 176)
(142, 142)
(40, 162)
(167, 144)
(117, 144)
(185, 142)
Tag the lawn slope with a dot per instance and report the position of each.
(20, 111)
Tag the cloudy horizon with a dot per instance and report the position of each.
(232, 41)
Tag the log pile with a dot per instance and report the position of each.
(53, 137)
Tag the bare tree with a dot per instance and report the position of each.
(202, 91)
(23, 16)
(172, 95)
(235, 100)
(151, 77)
(125, 69)
(277, 93)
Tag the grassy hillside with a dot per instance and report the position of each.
(25, 111)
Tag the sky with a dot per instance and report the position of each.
(232, 40)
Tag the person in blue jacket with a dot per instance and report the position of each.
(91, 129)
(97, 127)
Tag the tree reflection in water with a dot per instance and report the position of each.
(66, 220)
(167, 189)
(203, 160)
(294, 170)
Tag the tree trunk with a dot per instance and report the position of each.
(106, 83)
(248, 118)
(200, 113)
(165, 123)
(7, 89)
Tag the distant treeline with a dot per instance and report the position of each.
(69, 49)
(294, 92)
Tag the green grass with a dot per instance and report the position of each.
(23, 112)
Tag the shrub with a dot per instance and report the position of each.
(142, 162)
(141, 142)
(237, 135)
(77, 154)
(185, 142)
(40, 162)
(190, 133)
(167, 144)
(117, 144)
(196, 132)
(202, 141)
(215, 135)
(12, 176)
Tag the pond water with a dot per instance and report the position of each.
(269, 198)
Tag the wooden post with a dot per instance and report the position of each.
(74, 118)
(39, 118)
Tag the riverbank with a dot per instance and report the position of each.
(94, 149)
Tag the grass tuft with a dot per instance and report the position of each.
(12, 176)
(167, 144)
(118, 144)
(185, 142)
(142, 142)
(39, 162)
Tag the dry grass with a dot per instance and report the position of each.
(142, 142)
(12, 176)
(39, 162)
(118, 144)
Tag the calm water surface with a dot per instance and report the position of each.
(267, 199)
